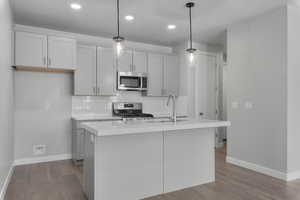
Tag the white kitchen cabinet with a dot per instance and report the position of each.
(96, 73)
(30, 49)
(171, 75)
(42, 51)
(106, 71)
(133, 61)
(61, 53)
(85, 75)
(155, 74)
(139, 63)
(125, 62)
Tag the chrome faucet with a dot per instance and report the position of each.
(174, 116)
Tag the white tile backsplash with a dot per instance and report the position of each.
(103, 105)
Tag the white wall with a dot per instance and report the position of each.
(257, 73)
(293, 89)
(6, 91)
(43, 108)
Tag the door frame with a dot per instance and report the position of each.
(218, 57)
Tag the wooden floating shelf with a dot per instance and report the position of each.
(41, 69)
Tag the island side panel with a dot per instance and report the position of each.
(189, 158)
(128, 167)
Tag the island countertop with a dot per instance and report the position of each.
(111, 128)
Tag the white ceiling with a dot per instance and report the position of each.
(98, 17)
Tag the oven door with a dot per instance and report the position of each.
(129, 81)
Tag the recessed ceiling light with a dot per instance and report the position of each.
(171, 26)
(75, 6)
(129, 17)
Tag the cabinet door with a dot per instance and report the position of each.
(85, 74)
(30, 49)
(61, 53)
(125, 62)
(171, 75)
(106, 71)
(155, 74)
(139, 62)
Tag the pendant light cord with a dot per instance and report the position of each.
(191, 37)
(118, 15)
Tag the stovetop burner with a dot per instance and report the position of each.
(129, 110)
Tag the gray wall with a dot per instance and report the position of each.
(293, 89)
(43, 107)
(6, 91)
(257, 73)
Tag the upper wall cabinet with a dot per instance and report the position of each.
(36, 50)
(163, 73)
(96, 71)
(171, 75)
(155, 74)
(106, 71)
(133, 61)
(85, 79)
(30, 49)
(139, 63)
(61, 53)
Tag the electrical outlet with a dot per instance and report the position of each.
(39, 149)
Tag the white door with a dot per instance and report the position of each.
(61, 53)
(155, 74)
(30, 50)
(85, 74)
(171, 75)
(125, 62)
(207, 87)
(139, 62)
(106, 71)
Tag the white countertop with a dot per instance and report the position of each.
(107, 117)
(111, 128)
(94, 117)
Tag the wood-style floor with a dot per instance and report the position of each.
(62, 181)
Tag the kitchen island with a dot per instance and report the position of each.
(132, 160)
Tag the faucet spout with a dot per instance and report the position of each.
(173, 117)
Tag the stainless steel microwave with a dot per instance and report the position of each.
(132, 81)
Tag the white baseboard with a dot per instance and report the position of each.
(257, 168)
(291, 176)
(34, 160)
(6, 182)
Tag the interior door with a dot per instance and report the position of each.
(139, 62)
(125, 62)
(207, 87)
(85, 74)
(61, 53)
(31, 50)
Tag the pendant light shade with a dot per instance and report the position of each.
(191, 50)
(118, 39)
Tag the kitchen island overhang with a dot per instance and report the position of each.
(138, 159)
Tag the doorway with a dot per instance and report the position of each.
(209, 92)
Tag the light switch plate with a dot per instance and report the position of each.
(248, 105)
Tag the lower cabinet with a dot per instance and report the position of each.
(77, 143)
(137, 166)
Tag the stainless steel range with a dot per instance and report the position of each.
(129, 110)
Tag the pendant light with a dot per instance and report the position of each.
(118, 39)
(191, 50)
